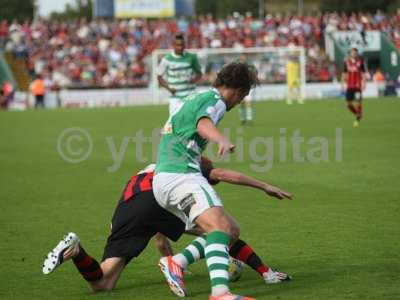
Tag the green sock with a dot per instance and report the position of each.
(217, 257)
(192, 253)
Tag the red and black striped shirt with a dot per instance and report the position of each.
(141, 182)
(354, 68)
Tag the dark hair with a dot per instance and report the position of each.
(180, 36)
(237, 75)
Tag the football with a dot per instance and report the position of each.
(235, 269)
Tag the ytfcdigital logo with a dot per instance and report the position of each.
(75, 145)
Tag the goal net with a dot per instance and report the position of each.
(270, 62)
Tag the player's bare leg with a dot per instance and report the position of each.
(351, 107)
(299, 96)
(248, 110)
(359, 111)
(101, 277)
(163, 245)
(353, 110)
(112, 268)
(289, 97)
(242, 113)
(216, 219)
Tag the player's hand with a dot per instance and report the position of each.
(193, 80)
(276, 192)
(225, 146)
(172, 91)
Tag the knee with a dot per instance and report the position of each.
(234, 231)
(230, 227)
(216, 219)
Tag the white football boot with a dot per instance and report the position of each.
(55, 256)
(274, 276)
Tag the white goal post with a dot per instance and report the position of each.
(269, 61)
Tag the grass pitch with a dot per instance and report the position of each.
(338, 238)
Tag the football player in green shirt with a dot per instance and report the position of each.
(178, 72)
(179, 185)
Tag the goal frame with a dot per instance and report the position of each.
(205, 51)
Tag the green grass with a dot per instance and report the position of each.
(339, 237)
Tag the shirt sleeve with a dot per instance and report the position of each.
(210, 110)
(196, 64)
(162, 67)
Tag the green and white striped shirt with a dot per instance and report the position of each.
(178, 70)
(181, 146)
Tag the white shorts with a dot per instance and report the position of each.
(185, 195)
(174, 105)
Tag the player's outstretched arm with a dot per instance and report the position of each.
(207, 130)
(238, 178)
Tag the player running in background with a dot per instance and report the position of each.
(293, 81)
(179, 185)
(354, 83)
(246, 107)
(137, 218)
(179, 72)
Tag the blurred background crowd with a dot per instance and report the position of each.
(116, 53)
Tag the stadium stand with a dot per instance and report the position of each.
(103, 53)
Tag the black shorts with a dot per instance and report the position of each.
(39, 99)
(135, 222)
(353, 94)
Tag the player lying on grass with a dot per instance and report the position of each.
(137, 218)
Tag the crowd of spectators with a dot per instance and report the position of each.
(116, 53)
